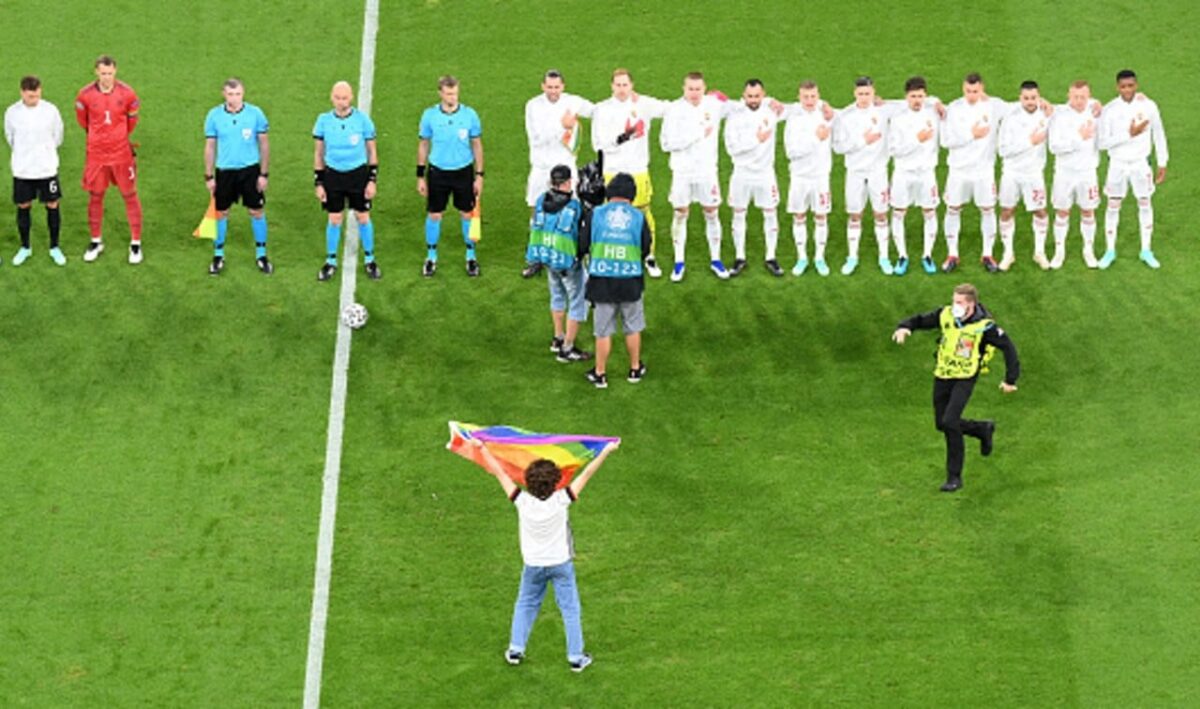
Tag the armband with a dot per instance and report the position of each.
(373, 173)
(318, 177)
(421, 170)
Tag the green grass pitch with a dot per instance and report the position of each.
(770, 533)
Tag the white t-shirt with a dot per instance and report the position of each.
(808, 156)
(967, 153)
(1072, 153)
(34, 134)
(905, 147)
(752, 157)
(1020, 156)
(1114, 131)
(690, 135)
(544, 528)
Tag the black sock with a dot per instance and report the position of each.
(53, 222)
(23, 224)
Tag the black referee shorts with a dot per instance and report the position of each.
(240, 184)
(347, 187)
(46, 190)
(443, 183)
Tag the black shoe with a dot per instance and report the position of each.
(990, 264)
(513, 657)
(372, 270)
(429, 268)
(774, 267)
(556, 344)
(217, 265)
(952, 484)
(600, 381)
(531, 270)
(264, 264)
(635, 375)
(738, 266)
(326, 272)
(473, 268)
(573, 355)
(985, 441)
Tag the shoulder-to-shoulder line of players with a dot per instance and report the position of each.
(869, 133)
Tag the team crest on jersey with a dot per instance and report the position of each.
(354, 138)
(247, 133)
(618, 219)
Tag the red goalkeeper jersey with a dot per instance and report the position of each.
(108, 118)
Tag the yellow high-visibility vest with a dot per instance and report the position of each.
(959, 353)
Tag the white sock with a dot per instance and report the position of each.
(882, 234)
(821, 236)
(987, 225)
(1061, 224)
(930, 233)
(739, 234)
(800, 236)
(1112, 220)
(853, 234)
(712, 230)
(1007, 229)
(1040, 226)
(1087, 229)
(679, 236)
(1146, 223)
(898, 233)
(771, 232)
(952, 226)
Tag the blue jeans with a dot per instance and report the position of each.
(567, 292)
(529, 602)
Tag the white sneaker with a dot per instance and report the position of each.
(21, 256)
(135, 253)
(677, 273)
(1041, 261)
(58, 256)
(652, 268)
(93, 252)
(1089, 259)
(1057, 262)
(1007, 262)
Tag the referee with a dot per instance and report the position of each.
(236, 144)
(969, 335)
(345, 170)
(449, 162)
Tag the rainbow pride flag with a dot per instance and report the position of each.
(516, 448)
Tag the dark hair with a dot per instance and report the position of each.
(1029, 84)
(915, 83)
(808, 84)
(622, 186)
(552, 74)
(30, 83)
(973, 78)
(559, 175)
(542, 477)
(1126, 74)
(863, 81)
(447, 82)
(232, 83)
(753, 82)
(106, 60)
(694, 76)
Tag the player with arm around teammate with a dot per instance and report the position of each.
(913, 145)
(547, 550)
(1022, 148)
(808, 145)
(345, 170)
(236, 156)
(1073, 131)
(33, 128)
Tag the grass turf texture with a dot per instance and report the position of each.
(771, 531)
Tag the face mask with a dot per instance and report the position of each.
(959, 312)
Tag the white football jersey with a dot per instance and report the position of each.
(750, 155)
(966, 152)
(1018, 154)
(34, 134)
(849, 130)
(1114, 131)
(691, 134)
(549, 143)
(905, 147)
(611, 118)
(1071, 151)
(808, 156)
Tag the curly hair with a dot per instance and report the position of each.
(541, 478)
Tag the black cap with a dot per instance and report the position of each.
(622, 185)
(560, 174)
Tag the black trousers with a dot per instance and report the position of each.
(950, 397)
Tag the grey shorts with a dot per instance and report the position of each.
(604, 318)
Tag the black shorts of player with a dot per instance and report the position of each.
(343, 187)
(443, 183)
(240, 184)
(46, 190)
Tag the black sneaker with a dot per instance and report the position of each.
(952, 484)
(556, 344)
(774, 267)
(265, 265)
(738, 266)
(217, 265)
(990, 264)
(429, 268)
(573, 355)
(372, 270)
(472, 268)
(513, 657)
(582, 663)
(635, 375)
(326, 272)
(531, 270)
(600, 381)
(985, 442)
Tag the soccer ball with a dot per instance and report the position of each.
(354, 316)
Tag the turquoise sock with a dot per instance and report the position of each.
(259, 226)
(222, 230)
(333, 234)
(466, 231)
(366, 234)
(433, 232)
